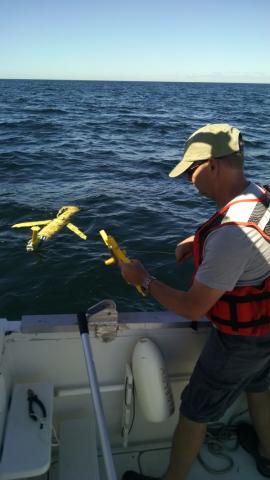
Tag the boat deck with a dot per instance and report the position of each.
(47, 353)
(153, 460)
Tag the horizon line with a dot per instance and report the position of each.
(136, 81)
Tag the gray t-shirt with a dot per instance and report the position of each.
(235, 256)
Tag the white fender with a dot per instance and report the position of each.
(151, 381)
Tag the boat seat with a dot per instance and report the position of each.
(78, 449)
(26, 447)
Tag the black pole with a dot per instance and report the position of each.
(82, 322)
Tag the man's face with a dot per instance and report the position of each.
(200, 178)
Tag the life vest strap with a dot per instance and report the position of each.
(233, 313)
(251, 297)
(254, 323)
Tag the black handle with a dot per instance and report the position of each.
(82, 322)
(33, 399)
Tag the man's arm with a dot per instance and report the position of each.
(192, 304)
(184, 249)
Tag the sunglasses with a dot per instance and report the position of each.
(194, 167)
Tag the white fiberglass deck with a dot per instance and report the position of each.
(48, 350)
(153, 461)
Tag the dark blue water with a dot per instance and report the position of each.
(107, 147)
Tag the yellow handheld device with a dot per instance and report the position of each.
(117, 253)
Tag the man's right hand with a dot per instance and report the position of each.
(184, 249)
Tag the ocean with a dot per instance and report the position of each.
(107, 147)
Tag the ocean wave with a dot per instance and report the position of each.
(49, 111)
(28, 125)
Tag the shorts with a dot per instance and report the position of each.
(227, 366)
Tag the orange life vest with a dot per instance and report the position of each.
(243, 310)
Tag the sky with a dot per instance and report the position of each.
(141, 40)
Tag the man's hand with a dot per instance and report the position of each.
(184, 249)
(134, 272)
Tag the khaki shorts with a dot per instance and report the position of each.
(228, 366)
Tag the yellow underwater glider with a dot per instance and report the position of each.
(51, 227)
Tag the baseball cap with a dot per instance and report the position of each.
(211, 141)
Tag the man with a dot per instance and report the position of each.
(232, 286)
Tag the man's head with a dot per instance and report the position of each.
(213, 141)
